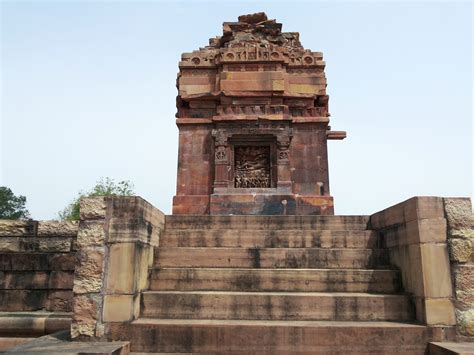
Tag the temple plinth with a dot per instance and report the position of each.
(253, 124)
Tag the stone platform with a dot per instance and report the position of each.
(251, 283)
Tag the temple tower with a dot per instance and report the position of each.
(253, 124)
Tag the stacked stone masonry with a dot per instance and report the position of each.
(37, 261)
(460, 222)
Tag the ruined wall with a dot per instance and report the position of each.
(460, 220)
(37, 260)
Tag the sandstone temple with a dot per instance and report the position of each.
(253, 124)
(253, 259)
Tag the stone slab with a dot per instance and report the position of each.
(286, 280)
(192, 204)
(268, 222)
(270, 204)
(275, 306)
(269, 238)
(33, 324)
(419, 207)
(60, 343)
(274, 337)
(451, 348)
(11, 228)
(300, 258)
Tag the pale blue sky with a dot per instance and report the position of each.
(88, 90)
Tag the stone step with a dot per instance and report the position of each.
(289, 280)
(33, 324)
(10, 342)
(276, 306)
(273, 337)
(306, 258)
(262, 238)
(36, 300)
(36, 280)
(267, 222)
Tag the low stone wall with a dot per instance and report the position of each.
(414, 231)
(460, 220)
(37, 261)
(115, 242)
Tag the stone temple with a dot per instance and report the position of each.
(253, 259)
(253, 124)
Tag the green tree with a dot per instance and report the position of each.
(104, 187)
(11, 206)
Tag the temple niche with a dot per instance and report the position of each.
(253, 124)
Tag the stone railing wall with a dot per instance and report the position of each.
(115, 242)
(414, 231)
(37, 260)
(458, 212)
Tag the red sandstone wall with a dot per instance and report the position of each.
(195, 170)
(37, 262)
(309, 163)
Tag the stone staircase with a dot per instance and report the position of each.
(273, 284)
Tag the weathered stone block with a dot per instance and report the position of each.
(461, 250)
(33, 244)
(86, 307)
(131, 230)
(57, 228)
(459, 213)
(415, 208)
(36, 280)
(408, 259)
(90, 234)
(432, 230)
(440, 311)
(82, 328)
(436, 270)
(54, 245)
(192, 204)
(59, 301)
(89, 271)
(8, 244)
(121, 268)
(37, 261)
(466, 322)
(427, 207)
(120, 308)
(464, 277)
(10, 228)
(93, 207)
(142, 264)
(464, 299)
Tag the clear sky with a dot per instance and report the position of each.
(88, 91)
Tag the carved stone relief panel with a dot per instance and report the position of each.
(252, 166)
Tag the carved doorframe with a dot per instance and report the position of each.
(276, 134)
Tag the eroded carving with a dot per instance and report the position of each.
(220, 153)
(252, 166)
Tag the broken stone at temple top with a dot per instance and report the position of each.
(253, 18)
(254, 29)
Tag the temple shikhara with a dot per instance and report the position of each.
(252, 260)
(253, 124)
